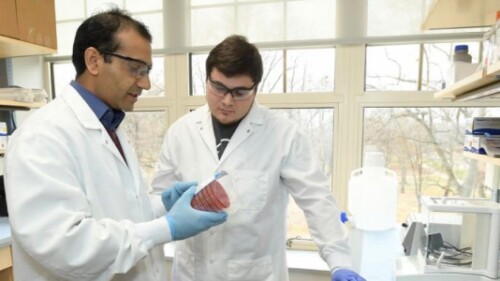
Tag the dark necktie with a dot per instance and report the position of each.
(114, 137)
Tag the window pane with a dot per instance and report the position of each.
(62, 74)
(394, 17)
(254, 21)
(318, 124)
(310, 70)
(392, 68)
(209, 2)
(424, 146)
(65, 36)
(211, 25)
(437, 60)
(154, 22)
(198, 74)
(145, 131)
(157, 78)
(135, 6)
(68, 10)
(96, 6)
(304, 17)
(272, 79)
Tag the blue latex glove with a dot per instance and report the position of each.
(346, 275)
(185, 221)
(172, 194)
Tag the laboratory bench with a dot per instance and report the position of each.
(6, 273)
(377, 255)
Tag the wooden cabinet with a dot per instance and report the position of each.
(27, 28)
(6, 264)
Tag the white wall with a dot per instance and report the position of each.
(27, 73)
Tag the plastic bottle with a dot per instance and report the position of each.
(462, 54)
(372, 195)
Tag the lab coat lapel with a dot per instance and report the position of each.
(206, 130)
(89, 121)
(249, 125)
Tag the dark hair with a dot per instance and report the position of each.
(235, 56)
(99, 31)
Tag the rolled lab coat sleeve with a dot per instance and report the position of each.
(52, 217)
(309, 187)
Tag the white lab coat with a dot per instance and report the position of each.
(77, 210)
(269, 159)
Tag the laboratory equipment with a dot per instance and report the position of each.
(462, 235)
(372, 195)
(217, 193)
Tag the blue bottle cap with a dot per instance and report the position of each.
(461, 48)
(343, 217)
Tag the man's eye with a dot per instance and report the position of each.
(135, 67)
(220, 88)
(239, 93)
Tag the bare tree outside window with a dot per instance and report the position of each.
(423, 145)
(146, 131)
(425, 148)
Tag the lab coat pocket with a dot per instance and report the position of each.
(183, 266)
(253, 188)
(251, 270)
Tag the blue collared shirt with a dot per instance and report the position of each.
(109, 117)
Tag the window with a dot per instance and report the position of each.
(304, 70)
(396, 67)
(424, 146)
(146, 130)
(318, 124)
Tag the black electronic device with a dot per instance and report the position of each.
(3, 200)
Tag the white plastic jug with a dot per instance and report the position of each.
(372, 198)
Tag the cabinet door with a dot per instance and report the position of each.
(5, 258)
(8, 19)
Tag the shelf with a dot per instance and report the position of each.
(16, 48)
(20, 105)
(483, 158)
(476, 80)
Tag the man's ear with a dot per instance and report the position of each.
(92, 60)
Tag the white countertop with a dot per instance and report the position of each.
(4, 232)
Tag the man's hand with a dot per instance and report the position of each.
(170, 195)
(346, 275)
(185, 221)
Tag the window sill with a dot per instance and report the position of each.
(300, 260)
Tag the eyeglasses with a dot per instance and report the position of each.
(137, 67)
(238, 93)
